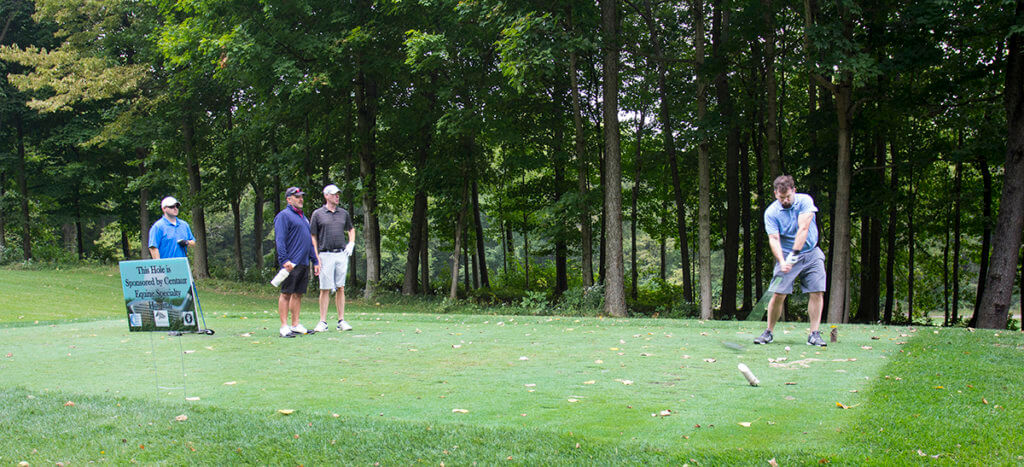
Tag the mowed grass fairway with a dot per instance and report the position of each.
(407, 387)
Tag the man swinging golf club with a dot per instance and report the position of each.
(793, 236)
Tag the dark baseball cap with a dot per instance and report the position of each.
(293, 191)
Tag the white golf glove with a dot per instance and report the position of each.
(792, 258)
(348, 248)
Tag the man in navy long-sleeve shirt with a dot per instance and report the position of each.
(294, 252)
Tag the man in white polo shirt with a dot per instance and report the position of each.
(329, 226)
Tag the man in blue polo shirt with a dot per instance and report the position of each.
(793, 237)
(170, 237)
(294, 253)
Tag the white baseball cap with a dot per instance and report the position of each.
(331, 189)
(169, 201)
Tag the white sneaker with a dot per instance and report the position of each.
(285, 331)
(321, 326)
(343, 325)
(299, 329)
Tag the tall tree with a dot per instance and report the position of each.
(614, 292)
(1006, 239)
(703, 163)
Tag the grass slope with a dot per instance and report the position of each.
(534, 389)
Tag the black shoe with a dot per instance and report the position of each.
(815, 339)
(766, 337)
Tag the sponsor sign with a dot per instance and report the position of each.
(158, 295)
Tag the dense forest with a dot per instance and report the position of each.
(534, 150)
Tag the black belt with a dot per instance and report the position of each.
(339, 250)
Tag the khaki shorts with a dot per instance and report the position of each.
(809, 270)
(333, 270)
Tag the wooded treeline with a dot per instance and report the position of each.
(530, 145)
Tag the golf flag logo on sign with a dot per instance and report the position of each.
(158, 295)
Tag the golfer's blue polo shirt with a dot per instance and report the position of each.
(164, 237)
(785, 222)
(291, 232)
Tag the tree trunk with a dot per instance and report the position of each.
(79, 243)
(200, 267)
(759, 260)
(840, 277)
(720, 39)
(747, 227)
(890, 236)
(945, 274)
(771, 129)
(236, 215)
(419, 213)
(412, 257)
(366, 124)
(465, 267)
(526, 250)
(986, 235)
(703, 164)
(481, 252)
(140, 154)
(636, 192)
(614, 292)
(425, 255)
(26, 230)
(954, 314)
(664, 257)
(910, 246)
(871, 245)
(453, 292)
(257, 224)
(3, 226)
(1006, 239)
(582, 183)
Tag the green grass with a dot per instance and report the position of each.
(538, 390)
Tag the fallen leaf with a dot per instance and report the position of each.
(72, 404)
(665, 413)
(790, 383)
(530, 385)
(9, 354)
(574, 400)
(983, 400)
(456, 346)
(866, 347)
(772, 462)
(710, 360)
(190, 351)
(192, 398)
(335, 415)
(460, 411)
(230, 383)
(627, 382)
(613, 348)
(181, 418)
(875, 338)
(745, 424)
(842, 405)
(523, 359)
(589, 382)
(598, 361)
(248, 334)
(286, 411)
(296, 436)
(939, 387)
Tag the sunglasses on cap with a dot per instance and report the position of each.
(175, 206)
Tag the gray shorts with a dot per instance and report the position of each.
(333, 270)
(809, 270)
